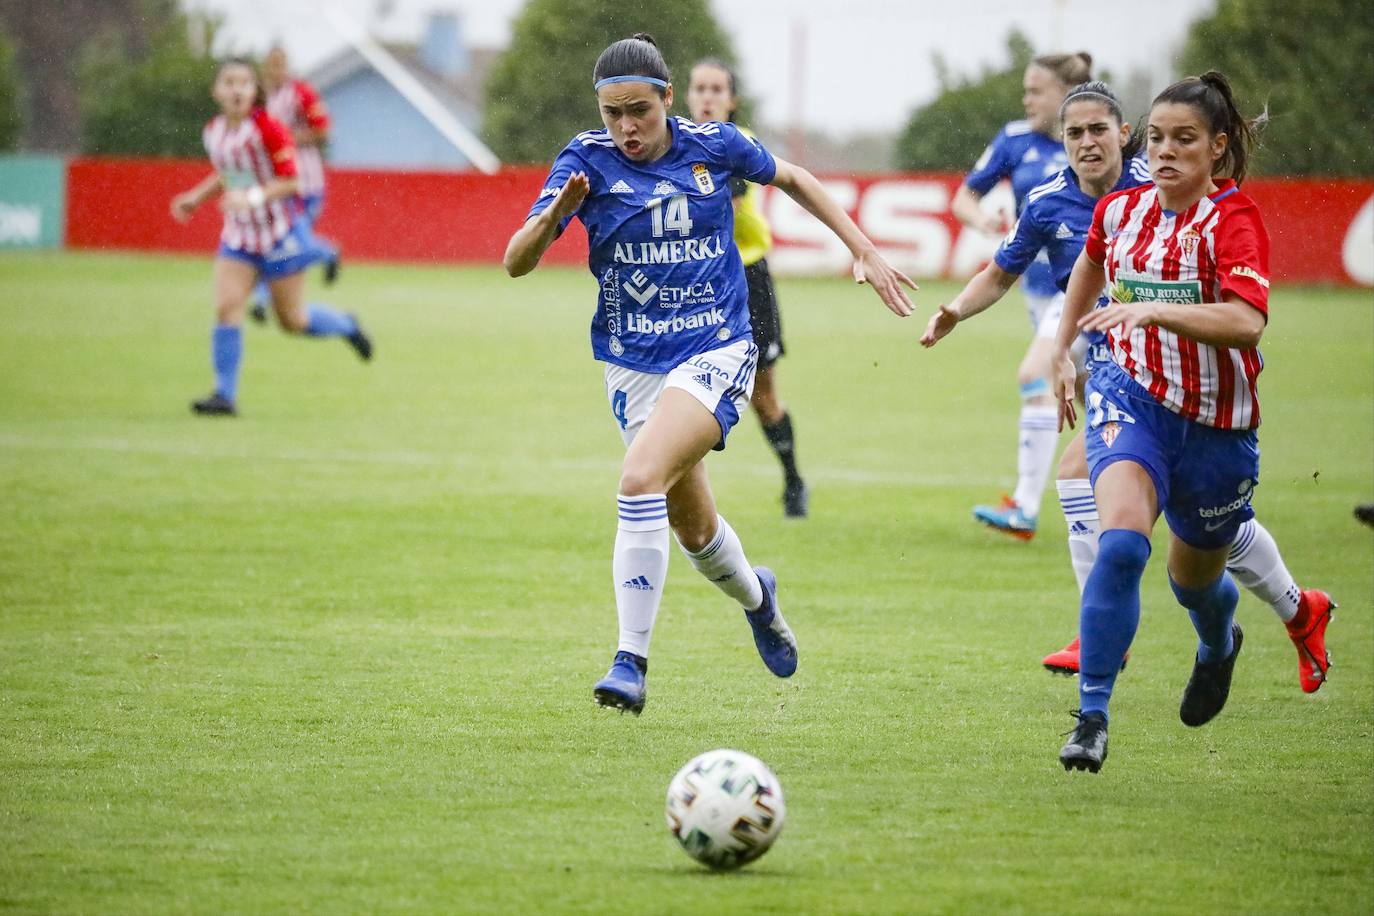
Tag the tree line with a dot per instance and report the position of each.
(132, 77)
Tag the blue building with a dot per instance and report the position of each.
(407, 107)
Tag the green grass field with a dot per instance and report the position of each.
(336, 655)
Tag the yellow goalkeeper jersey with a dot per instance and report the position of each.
(752, 235)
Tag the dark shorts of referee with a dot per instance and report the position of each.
(764, 318)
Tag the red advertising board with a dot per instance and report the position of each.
(1322, 230)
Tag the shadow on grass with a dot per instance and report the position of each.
(749, 872)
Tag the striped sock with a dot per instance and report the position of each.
(1080, 514)
(1257, 565)
(723, 562)
(639, 567)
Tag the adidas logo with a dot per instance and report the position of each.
(1079, 528)
(704, 380)
(620, 187)
(664, 188)
(638, 582)
(1063, 232)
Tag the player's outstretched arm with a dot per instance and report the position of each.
(869, 266)
(984, 289)
(184, 204)
(531, 240)
(1085, 283)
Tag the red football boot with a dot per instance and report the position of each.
(1307, 629)
(1065, 661)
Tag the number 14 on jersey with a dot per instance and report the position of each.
(670, 216)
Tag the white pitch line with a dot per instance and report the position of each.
(412, 458)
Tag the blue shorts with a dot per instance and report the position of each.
(1205, 477)
(296, 251)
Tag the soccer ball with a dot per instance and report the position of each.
(725, 807)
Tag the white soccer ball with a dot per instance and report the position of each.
(725, 807)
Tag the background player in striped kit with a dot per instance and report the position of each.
(1170, 422)
(255, 168)
(296, 103)
(1056, 220)
(672, 327)
(1027, 152)
(711, 96)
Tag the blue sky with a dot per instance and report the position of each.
(863, 64)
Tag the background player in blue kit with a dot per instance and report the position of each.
(672, 327)
(1056, 220)
(1027, 152)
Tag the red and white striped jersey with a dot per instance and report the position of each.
(297, 105)
(255, 152)
(1217, 246)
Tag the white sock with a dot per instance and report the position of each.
(1080, 513)
(723, 562)
(1256, 564)
(1035, 455)
(639, 567)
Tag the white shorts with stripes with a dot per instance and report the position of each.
(722, 380)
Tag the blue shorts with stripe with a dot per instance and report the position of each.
(1205, 477)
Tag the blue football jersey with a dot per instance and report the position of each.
(1055, 221)
(661, 241)
(1026, 158)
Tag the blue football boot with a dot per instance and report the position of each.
(1007, 518)
(776, 644)
(623, 686)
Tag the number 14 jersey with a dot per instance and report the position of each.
(661, 241)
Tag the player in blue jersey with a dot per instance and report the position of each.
(1055, 220)
(672, 327)
(1027, 152)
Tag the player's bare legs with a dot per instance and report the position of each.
(1037, 438)
(231, 280)
(768, 407)
(295, 316)
(777, 428)
(663, 484)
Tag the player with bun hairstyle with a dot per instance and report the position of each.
(1058, 214)
(711, 96)
(672, 327)
(297, 104)
(1171, 419)
(255, 168)
(1027, 152)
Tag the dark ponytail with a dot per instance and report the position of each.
(637, 55)
(1098, 91)
(1211, 97)
(259, 93)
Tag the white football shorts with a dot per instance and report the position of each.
(722, 380)
(1044, 312)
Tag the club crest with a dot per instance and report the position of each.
(1109, 433)
(703, 178)
(1188, 239)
